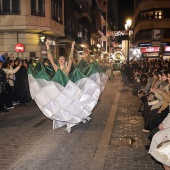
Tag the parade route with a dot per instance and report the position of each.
(111, 140)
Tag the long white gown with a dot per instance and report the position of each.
(161, 153)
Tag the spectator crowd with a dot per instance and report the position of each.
(150, 81)
(14, 87)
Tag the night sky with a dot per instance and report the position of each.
(126, 10)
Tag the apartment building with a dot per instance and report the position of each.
(152, 26)
(31, 22)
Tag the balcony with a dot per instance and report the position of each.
(31, 24)
(74, 5)
(86, 11)
(152, 23)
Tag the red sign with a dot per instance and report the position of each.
(19, 48)
(153, 49)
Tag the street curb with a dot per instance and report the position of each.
(99, 158)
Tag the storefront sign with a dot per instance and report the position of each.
(151, 54)
(156, 37)
(117, 33)
(120, 33)
(19, 48)
(153, 49)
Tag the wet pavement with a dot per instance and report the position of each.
(27, 141)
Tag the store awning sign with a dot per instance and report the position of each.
(153, 49)
(151, 54)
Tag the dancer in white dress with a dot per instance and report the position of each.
(159, 137)
(62, 65)
(62, 60)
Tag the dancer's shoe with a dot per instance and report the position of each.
(68, 128)
(88, 118)
(84, 121)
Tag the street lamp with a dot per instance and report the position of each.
(127, 28)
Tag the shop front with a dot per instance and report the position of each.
(154, 52)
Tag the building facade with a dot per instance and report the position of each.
(25, 21)
(152, 24)
(31, 22)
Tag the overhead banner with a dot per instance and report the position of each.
(117, 33)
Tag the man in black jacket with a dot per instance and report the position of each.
(125, 71)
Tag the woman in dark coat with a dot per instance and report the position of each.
(2, 88)
(21, 83)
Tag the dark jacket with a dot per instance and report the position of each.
(2, 80)
(126, 70)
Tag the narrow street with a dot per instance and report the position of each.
(112, 140)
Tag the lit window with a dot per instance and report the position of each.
(9, 6)
(158, 14)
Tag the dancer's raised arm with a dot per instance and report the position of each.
(70, 61)
(50, 57)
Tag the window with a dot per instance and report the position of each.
(143, 16)
(32, 55)
(38, 8)
(147, 15)
(92, 42)
(56, 10)
(146, 34)
(166, 33)
(158, 14)
(69, 24)
(85, 34)
(80, 33)
(9, 6)
(104, 30)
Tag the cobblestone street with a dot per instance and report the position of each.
(127, 145)
(28, 141)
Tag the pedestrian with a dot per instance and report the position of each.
(9, 97)
(125, 71)
(21, 84)
(2, 88)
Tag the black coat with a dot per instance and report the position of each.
(21, 81)
(2, 80)
(126, 70)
